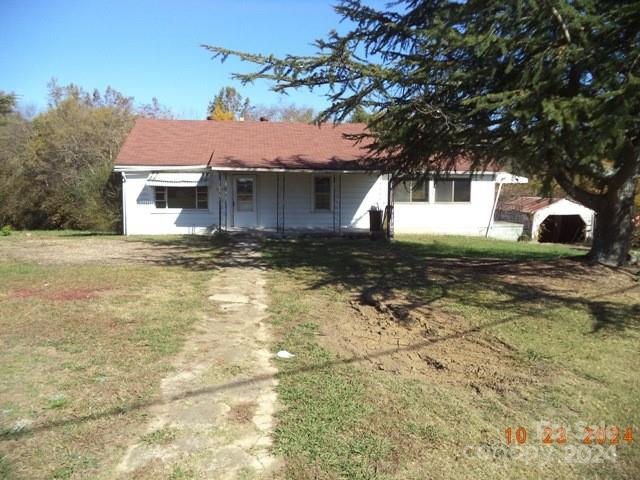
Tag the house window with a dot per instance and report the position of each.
(322, 193)
(182, 197)
(458, 190)
(411, 191)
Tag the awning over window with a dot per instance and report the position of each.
(178, 179)
(504, 177)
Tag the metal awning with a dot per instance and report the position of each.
(178, 179)
(504, 177)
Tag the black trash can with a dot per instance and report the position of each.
(375, 221)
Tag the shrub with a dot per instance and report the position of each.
(6, 230)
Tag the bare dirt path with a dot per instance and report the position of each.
(216, 415)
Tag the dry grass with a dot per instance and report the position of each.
(407, 354)
(84, 345)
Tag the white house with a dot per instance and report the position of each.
(183, 176)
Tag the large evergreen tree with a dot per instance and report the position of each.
(549, 87)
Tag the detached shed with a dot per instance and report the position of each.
(557, 220)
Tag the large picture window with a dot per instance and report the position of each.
(458, 190)
(182, 197)
(322, 193)
(411, 191)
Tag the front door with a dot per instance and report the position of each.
(245, 213)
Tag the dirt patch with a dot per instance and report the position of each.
(60, 295)
(394, 336)
(242, 412)
(411, 336)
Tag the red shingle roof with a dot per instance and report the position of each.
(159, 143)
(242, 145)
(527, 204)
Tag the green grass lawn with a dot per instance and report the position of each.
(554, 340)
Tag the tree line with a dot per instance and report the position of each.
(230, 105)
(56, 168)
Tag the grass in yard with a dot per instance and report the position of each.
(181, 473)
(161, 436)
(413, 357)
(473, 247)
(88, 328)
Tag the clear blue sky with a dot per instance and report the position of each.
(147, 48)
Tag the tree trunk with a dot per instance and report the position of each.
(614, 226)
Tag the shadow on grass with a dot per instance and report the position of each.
(288, 372)
(423, 272)
(88, 234)
(509, 277)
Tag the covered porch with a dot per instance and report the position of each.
(266, 201)
(295, 202)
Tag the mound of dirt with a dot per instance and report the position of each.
(394, 336)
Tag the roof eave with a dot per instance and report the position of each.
(186, 168)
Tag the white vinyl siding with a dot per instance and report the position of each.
(469, 217)
(354, 194)
(358, 192)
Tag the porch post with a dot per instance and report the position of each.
(277, 202)
(284, 199)
(226, 195)
(340, 202)
(334, 206)
(389, 233)
(493, 210)
(219, 201)
(124, 204)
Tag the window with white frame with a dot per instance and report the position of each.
(411, 191)
(182, 197)
(457, 190)
(322, 193)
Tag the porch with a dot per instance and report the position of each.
(262, 202)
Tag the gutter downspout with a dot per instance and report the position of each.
(493, 210)
(124, 204)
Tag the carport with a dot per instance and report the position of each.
(562, 229)
(557, 220)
